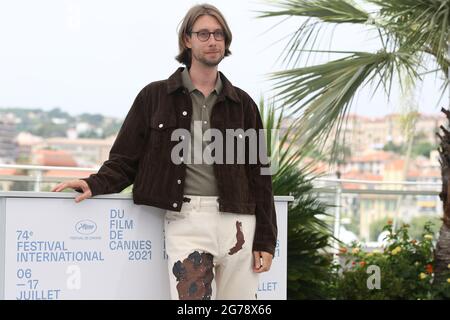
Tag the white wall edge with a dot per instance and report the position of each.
(70, 195)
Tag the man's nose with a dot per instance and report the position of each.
(212, 40)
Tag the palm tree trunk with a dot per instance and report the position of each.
(442, 255)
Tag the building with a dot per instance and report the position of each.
(362, 134)
(25, 144)
(8, 146)
(86, 152)
(371, 162)
(58, 158)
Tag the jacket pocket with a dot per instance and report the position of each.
(160, 132)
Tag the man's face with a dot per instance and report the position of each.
(210, 52)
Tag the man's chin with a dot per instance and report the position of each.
(211, 62)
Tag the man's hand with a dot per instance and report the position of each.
(262, 261)
(75, 184)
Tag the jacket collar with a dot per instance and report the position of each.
(175, 82)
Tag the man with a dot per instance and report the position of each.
(220, 223)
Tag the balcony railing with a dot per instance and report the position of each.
(35, 174)
(359, 208)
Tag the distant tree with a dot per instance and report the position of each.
(51, 130)
(93, 119)
(112, 128)
(423, 149)
(58, 113)
(392, 147)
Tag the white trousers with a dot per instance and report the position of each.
(210, 252)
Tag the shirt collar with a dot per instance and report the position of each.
(174, 82)
(187, 82)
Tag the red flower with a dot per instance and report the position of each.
(429, 268)
(362, 263)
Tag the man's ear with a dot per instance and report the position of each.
(187, 41)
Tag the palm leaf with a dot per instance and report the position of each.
(306, 36)
(323, 93)
(327, 10)
(423, 25)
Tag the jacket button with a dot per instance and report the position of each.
(184, 113)
(179, 181)
(161, 125)
(175, 205)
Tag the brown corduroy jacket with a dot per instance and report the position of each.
(141, 155)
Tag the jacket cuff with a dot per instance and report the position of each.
(266, 247)
(265, 238)
(93, 186)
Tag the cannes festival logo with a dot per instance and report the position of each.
(86, 227)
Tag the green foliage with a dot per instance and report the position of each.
(326, 10)
(420, 148)
(308, 236)
(390, 146)
(57, 113)
(405, 265)
(423, 149)
(417, 224)
(49, 130)
(93, 119)
(415, 229)
(111, 128)
(377, 227)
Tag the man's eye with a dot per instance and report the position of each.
(203, 33)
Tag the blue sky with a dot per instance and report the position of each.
(95, 56)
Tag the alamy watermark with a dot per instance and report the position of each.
(374, 280)
(240, 147)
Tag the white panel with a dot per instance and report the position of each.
(98, 249)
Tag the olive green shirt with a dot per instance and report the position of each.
(200, 178)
